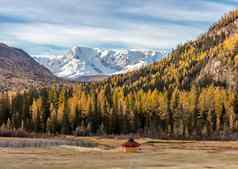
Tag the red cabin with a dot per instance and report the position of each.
(130, 146)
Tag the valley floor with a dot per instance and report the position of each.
(154, 154)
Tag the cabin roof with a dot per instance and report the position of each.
(131, 143)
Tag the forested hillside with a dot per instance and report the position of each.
(191, 93)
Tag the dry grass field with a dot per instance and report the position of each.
(154, 154)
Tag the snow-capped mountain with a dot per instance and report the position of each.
(83, 61)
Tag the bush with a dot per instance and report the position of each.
(6, 133)
(21, 133)
(14, 133)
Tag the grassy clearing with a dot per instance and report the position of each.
(43, 142)
(155, 154)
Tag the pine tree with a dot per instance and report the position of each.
(230, 102)
(219, 106)
(61, 105)
(36, 110)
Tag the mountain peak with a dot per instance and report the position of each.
(3, 45)
(78, 52)
(85, 61)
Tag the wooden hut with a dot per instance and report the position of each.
(130, 146)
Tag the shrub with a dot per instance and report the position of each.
(21, 133)
(14, 133)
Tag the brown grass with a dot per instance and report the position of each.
(155, 154)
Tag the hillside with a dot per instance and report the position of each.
(210, 59)
(19, 71)
(80, 62)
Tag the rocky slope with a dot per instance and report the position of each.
(18, 70)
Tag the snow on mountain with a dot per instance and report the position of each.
(83, 61)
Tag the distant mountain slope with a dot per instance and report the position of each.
(19, 70)
(92, 78)
(81, 61)
(211, 59)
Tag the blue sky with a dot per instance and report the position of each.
(53, 26)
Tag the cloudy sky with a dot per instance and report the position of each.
(53, 26)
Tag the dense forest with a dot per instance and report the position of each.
(88, 111)
(191, 93)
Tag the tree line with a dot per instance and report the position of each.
(89, 111)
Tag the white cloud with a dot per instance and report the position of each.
(170, 10)
(134, 36)
(136, 24)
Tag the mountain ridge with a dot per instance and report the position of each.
(18, 70)
(84, 61)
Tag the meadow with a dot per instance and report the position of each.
(105, 153)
